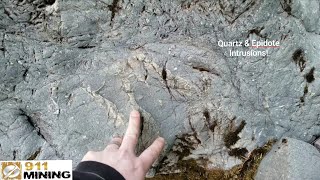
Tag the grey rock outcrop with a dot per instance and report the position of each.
(71, 71)
(290, 159)
(317, 144)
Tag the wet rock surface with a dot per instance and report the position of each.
(71, 71)
(290, 159)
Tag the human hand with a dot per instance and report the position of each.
(120, 153)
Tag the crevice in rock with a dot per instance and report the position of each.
(164, 36)
(231, 135)
(25, 73)
(299, 59)
(164, 77)
(37, 13)
(316, 137)
(6, 12)
(183, 146)
(3, 48)
(41, 6)
(240, 153)
(146, 75)
(309, 76)
(194, 132)
(164, 73)
(302, 98)
(33, 124)
(207, 117)
(284, 141)
(36, 17)
(253, 161)
(86, 47)
(286, 6)
(49, 2)
(232, 11)
(204, 69)
(14, 153)
(143, 9)
(257, 31)
(141, 124)
(34, 155)
(114, 8)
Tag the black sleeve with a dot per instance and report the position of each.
(91, 170)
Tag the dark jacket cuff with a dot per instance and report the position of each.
(92, 170)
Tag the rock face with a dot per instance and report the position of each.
(290, 159)
(317, 144)
(71, 71)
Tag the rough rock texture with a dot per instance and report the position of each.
(317, 144)
(290, 159)
(71, 71)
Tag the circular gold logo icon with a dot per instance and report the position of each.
(11, 170)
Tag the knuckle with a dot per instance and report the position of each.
(90, 154)
(123, 153)
(115, 142)
(133, 135)
(118, 138)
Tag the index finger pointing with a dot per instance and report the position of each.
(131, 136)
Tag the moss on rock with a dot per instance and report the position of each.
(191, 170)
